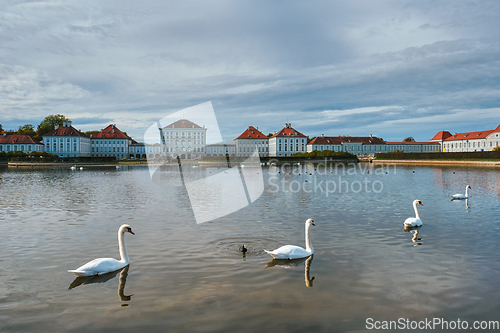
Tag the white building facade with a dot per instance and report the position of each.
(110, 142)
(67, 141)
(183, 138)
(468, 141)
(286, 142)
(23, 143)
(250, 141)
(137, 150)
(220, 149)
(369, 145)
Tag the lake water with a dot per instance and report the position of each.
(189, 277)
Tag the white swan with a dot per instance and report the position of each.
(292, 251)
(414, 221)
(73, 167)
(460, 195)
(106, 265)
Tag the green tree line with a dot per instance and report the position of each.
(47, 125)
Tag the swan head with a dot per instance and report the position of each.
(311, 222)
(126, 228)
(468, 186)
(418, 202)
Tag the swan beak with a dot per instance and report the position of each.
(421, 204)
(313, 224)
(131, 232)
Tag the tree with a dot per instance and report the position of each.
(1, 129)
(409, 139)
(27, 129)
(89, 133)
(49, 124)
(497, 148)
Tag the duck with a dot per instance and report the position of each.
(414, 221)
(243, 248)
(460, 196)
(101, 266)
(292, 251)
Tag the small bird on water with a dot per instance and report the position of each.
(243, 248)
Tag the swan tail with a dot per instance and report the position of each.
(76, 272)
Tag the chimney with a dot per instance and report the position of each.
(68, 123)
(371, 135)
(323, 135)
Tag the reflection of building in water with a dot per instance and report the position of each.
(183, 138)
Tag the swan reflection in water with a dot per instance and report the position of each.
(81, 280)
(285, 263)
(415, 239)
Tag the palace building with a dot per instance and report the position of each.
(24, 143)
(184, 138)
(359, 145)
(67, 141)
(251, 140)
(468, 141)
(287, 141)
(110, 141)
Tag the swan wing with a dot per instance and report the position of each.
(459, 196)
(412, 221)
(289, 252)
(99, 266)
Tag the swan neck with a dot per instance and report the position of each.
(416, 210)
(467, 191)
(308, 241)
(122, 247)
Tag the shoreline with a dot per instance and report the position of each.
(440, 162)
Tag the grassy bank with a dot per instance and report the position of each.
(459, 156)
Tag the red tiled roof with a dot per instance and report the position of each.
(110, 132)
(18, 139)
(66, 131)
(252, 133)
(443, 135)
(470, 135)
(337, 140)
(183, 123)
(412, 143)
(288, 132)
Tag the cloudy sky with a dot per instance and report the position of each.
(388, 68)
